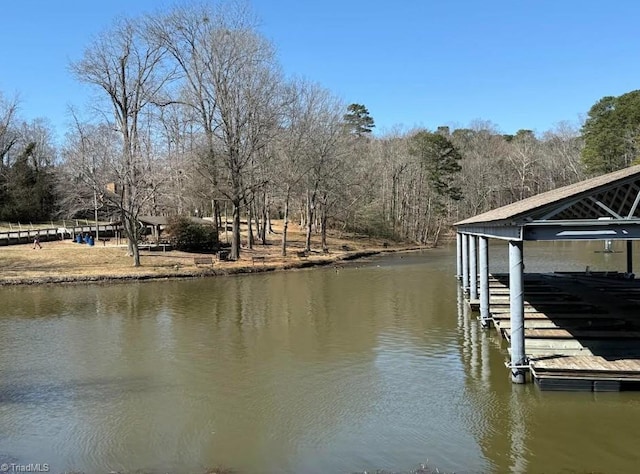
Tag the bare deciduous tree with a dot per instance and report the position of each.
(8, 133)
(130, 71)
(233, 84)
(323, 152)
(85, 174)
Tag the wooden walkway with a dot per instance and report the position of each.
(582, 332)
(26, 234)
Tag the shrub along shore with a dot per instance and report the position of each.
(69, 262)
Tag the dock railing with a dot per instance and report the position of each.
(21, 233)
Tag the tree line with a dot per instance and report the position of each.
(27, 173)
(193, 116)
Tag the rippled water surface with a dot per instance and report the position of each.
(373, 366)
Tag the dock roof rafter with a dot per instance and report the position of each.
(604, 207)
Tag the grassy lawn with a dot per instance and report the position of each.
(68, 261)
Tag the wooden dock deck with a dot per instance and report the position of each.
(582, 332)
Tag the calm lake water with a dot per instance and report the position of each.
(373, 366)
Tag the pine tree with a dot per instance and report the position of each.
(440, 159)
(358, 120)
(612, 133)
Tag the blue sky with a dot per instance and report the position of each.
(414, 63)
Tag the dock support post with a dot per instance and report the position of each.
(484, 281)
(516, 307)
(465, 263)
(473, 267)
(458, 256)
(629, 256)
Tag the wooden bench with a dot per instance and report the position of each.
(164, 246)
(258, 258)
(302, 254)
(104, 241)
(203, 260)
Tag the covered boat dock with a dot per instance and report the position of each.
(568, 331)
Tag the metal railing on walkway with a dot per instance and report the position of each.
(21, 234)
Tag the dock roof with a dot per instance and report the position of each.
(591, 209)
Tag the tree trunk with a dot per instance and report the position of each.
(235, 231)
(250, 226)
(311, 198)
(226, 223)
(428, 219)
(217, 217)
(303, 212)
(130, 225)
(265, 218)
(285, 224)
(257, 217)
(436, 236)
(136, 255)
(323, 226)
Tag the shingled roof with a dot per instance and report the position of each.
(616, 193)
